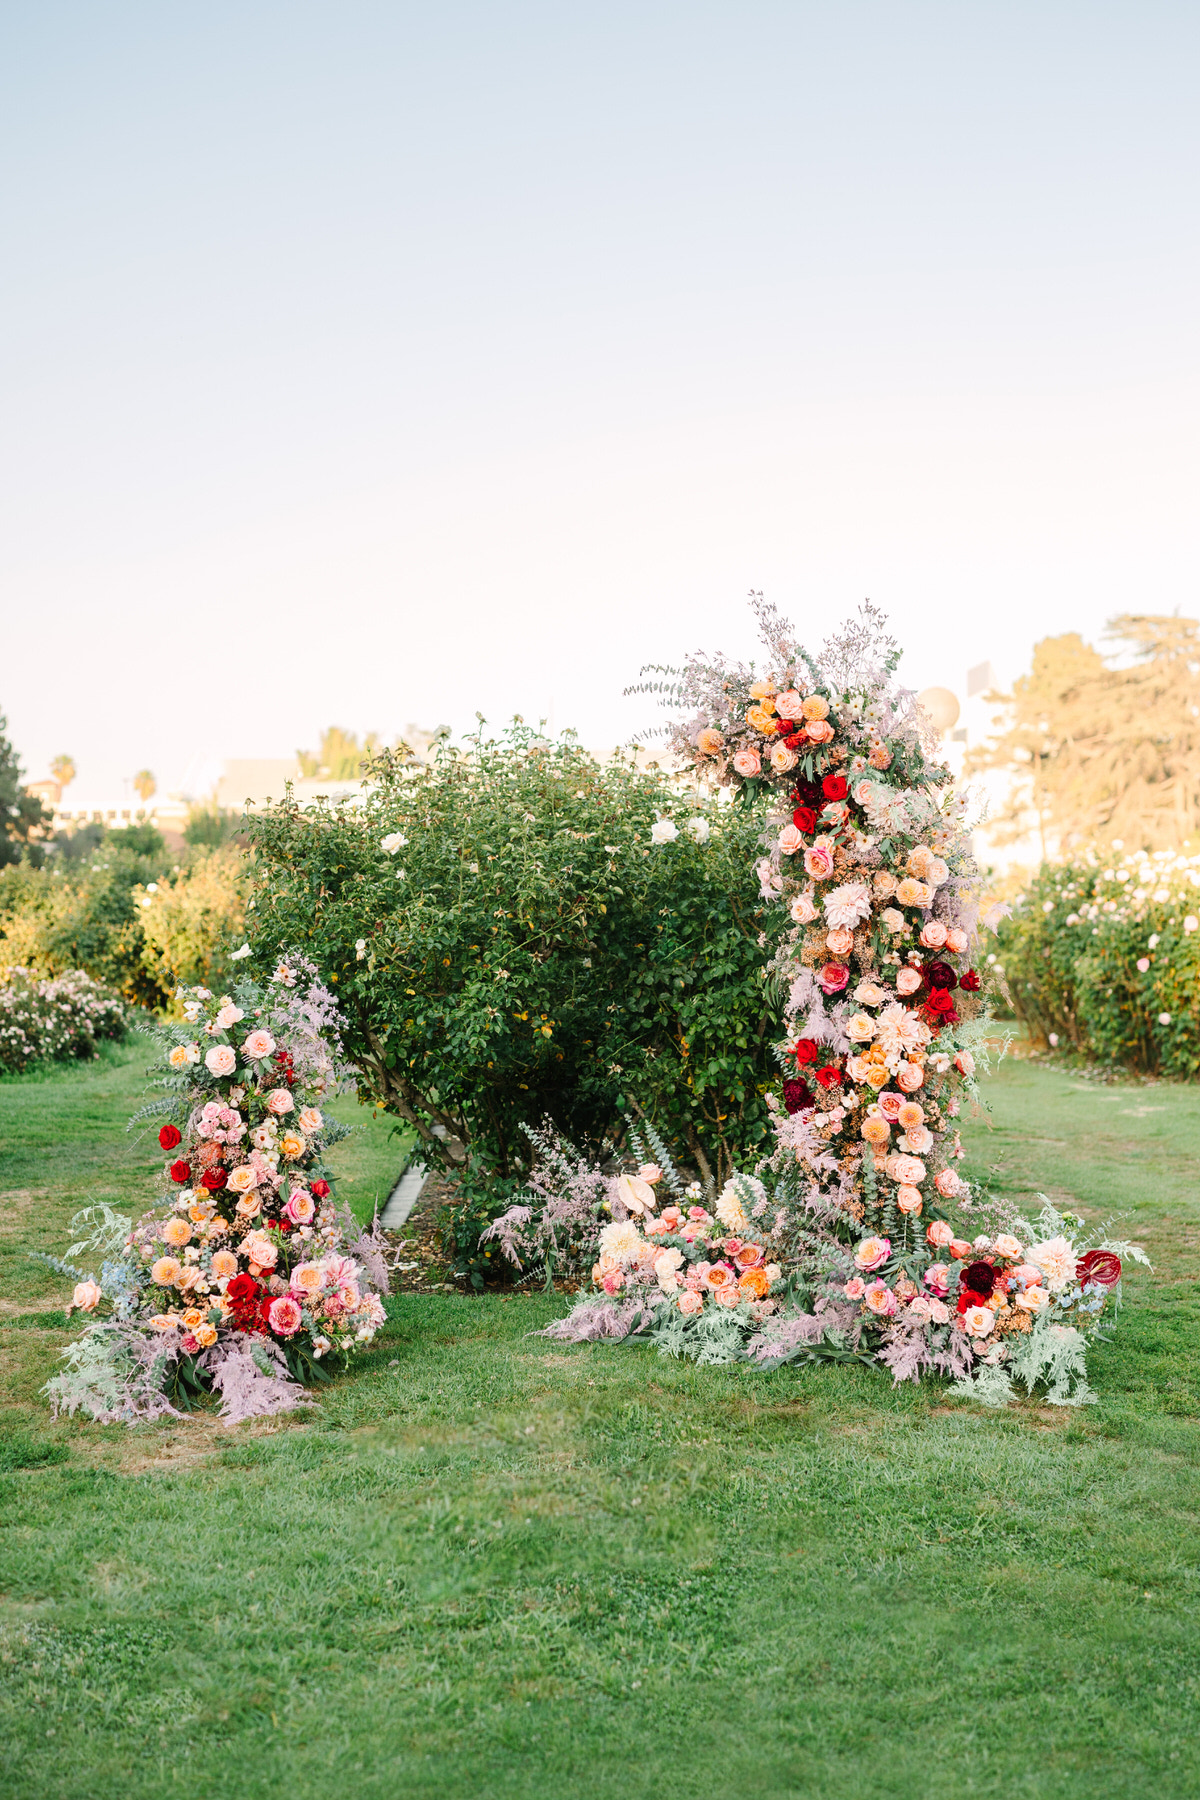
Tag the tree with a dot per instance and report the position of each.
(340, 757)
(145, 784)
(1104, 748)
(63, 770)
(23, 814)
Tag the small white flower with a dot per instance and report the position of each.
(1053, 1040)
(698, 829)
(1191, 923)
(395, 840)
(663, 831)
(240, 955)
(1164, 1018)
(360, 948)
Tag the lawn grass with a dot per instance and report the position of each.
(487, 1565)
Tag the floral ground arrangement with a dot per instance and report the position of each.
(859, 1236)
(245, 1280)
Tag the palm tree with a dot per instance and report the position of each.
(145, 784)
(63, 770)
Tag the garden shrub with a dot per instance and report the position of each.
(55, 1020)
(192, 921)
(1102, 955)
(512, 939)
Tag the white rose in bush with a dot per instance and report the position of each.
(663, 831)
(698, 829)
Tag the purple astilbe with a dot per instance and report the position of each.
(510, 1233)
(909, 1354)
(369, 1248)
(308, 1019)
(594, 1319)
(116, 1373)
(247, 1390)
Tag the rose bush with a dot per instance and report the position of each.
(513, 934)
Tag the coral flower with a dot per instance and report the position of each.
(284, 1316)
(165, 1271)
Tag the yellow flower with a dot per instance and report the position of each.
(291, 1144)
(206, 1336)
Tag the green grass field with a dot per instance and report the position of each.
(485, 1565)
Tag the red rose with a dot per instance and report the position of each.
(320, 1189)
(793, 740)
(168, 1137)
(181, 1172)
(940, 1006)
(805, 1052)
(970, 981)
(835, 787)
(967, 1298)
(804, 818)
(241, 1289)
(829, 1076)
(796, 1096)
(940, 975)
(213, 1179)
(1101, 1267)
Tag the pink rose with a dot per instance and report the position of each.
(889, 1106)
(933, 934)
(189, 1343)
(690, 1302)
(790, 840)
(956, 941)
(747, 763)
(258, 1045)
(300, 1208)
(284, 1316)
(818, 862)
(279, 1101)
(871, 1253)
(947, 1184)
(818, 731)
(613, 1282)
(833, 977)
(880, 1299)
(853, 1289)
(789, 704)
(908, 981)
(220, 1060)
(964, 1062)
(940, 1233)
(937, 1277)
(910, 1077)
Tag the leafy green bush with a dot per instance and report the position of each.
(1102, 955)
(510, 941)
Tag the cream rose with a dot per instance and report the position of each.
(802, 909)
(791, 840)
(783, 759)
(978, 1320)
(258, 1045)
(933, 934)
(893, 920)
(860, 1028)
(869, 993)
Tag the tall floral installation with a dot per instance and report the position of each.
(859, 1236)
(244, 1279)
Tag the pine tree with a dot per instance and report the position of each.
(22, 814)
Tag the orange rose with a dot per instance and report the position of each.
(754, 1285)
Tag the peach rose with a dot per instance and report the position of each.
(816, 706)
(220, 1060)
(908, 1199)
(1032, 1299)
(859, 1068)
(840, 940)
(206, 1336)
(854, 1288)
(789, 704)
(279, 1101)
(259, 1248)
(311, 1119)
(729, 1295)
(880, 1299)
(86, 1297)
(791, 840)
(871, 1253)
(947, 1184)
(802, 909)
(919, 859)
(909, 1077)
(860, 1029)
(762, 689)
(747, 763)
(884, 883)
(956, 940)
(193, 1317)
(163, 1322)
(960, 1249)
(710, 741)
(1007, 1245)
(908, 1169)
(690, 1302)
(759, 719)
(939, 1233)
(166, 1271)
(933, 934)
(964, 1062)
(818, 731)
(258, 1045)
(183, 1054)
(224, 1264)
(818, 861)
(176, 1232)
(243, 1178)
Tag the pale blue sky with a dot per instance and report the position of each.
(374, 362)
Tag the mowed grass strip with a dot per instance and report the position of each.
(489, 1565)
